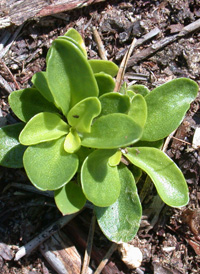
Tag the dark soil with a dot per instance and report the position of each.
(170, 243)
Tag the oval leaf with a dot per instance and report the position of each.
(112, 131)
(28, 102)
(167, 177)
(139, 89)
(69, 75)
(166, 107)
(114, 103)
(49, 166)
(105, 83)
(115, 159)
(138, 110)
(120, 221)
(105, 66)
(11, 151)
(75, 35)
(72, 142)
(43, 127)
(100, 182)
(81, 115)
(70, 198)
(39, 80)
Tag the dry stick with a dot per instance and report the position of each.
(11, 75)
(145, 53)
(88, 250)
(10, 42)
(122, 68)
(4, 84)
(106, 258)
(35, 242)
(100, 45)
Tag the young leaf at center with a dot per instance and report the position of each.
(81, 115)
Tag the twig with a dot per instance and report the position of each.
(11, 75)
(35, 242)
(100, 45)
(168, 139)
(88, 250)
(4, 84)
(145, 53)
(123, 65)
(106, 258)
(29, 188)
(10, 42)
(154, 32)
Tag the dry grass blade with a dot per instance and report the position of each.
(106, 258)
(88, 250)
(123, 65)
(100, 46)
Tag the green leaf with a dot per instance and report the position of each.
(11, 151)
(120, 221)
(70, 198)
(139, 89)
(43, 127)
(112, 131)
(105, 66)
(28, 102)
(75, 35)
(69, 75)
(167, 177)
(105, 83)
(138, 110)
(100, 182)
(82, 114)
(39, 80)
(115, 159)
(114, 103)
(72, 141)
(156, 144)
(49, 166)
(166, 107)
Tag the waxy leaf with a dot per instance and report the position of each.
(81, 115)
(69, 75)
(167, 177)
(100, 182)
(104, 66)
(49, 166)
(39, 80)
(139, 89)
(105, 82)
(112, 131)
(120, 221)
(43, 127)
(138, 110)
(166, 107)
(75, 35)
(70, 198)
(114, 103)
(11, 151)
(28, 102)
(115, 159)
(72, 141)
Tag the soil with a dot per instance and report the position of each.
(170, 243)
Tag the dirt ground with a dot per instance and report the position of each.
(170, 242)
